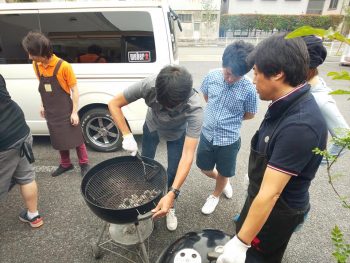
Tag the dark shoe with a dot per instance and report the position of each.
(84, 168)
(34, 222)
(60, 170)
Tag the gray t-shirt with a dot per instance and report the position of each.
(170, 124)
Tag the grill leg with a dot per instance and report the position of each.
(142, 244)
(101, 234)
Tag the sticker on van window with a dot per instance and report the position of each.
(139, 56)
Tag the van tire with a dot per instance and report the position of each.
(99, 130)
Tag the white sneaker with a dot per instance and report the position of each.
(228, 190)
(171, 220)
(210, 205)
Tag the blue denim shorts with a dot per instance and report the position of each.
(223, 157)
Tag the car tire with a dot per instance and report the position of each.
(99, 130)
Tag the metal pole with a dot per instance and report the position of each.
(142, 244)
(101, 234)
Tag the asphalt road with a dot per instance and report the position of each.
(70, 227)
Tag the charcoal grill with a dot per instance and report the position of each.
(195, 247)
(122, 191)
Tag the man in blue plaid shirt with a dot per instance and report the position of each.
(231, 98)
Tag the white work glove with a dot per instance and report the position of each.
(129, 144)
(234, 252)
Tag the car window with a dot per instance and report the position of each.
(13, 28)
(101, 37)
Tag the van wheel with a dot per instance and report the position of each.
(99, 130)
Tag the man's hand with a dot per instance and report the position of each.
(129, 144)
(74, 119)
(234, 252)
(164, 205)
(42, 112)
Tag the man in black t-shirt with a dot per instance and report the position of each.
(282, 163)
(16, 155)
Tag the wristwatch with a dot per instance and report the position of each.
(175, 191)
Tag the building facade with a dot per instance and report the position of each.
(269, 7)
(200, 19)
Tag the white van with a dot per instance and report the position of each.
(133, 39)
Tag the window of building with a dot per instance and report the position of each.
(333, 4)
(196, 26)
(315, 7)
(185, 18)
(212, 17)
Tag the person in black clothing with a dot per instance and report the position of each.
(282, 163)
(16, 155)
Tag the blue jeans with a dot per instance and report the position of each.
(150, 141)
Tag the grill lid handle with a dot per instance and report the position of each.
(144, 216)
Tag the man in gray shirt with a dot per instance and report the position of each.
(175, 115)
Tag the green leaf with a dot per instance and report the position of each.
(306, 31)
(340, 92)
(339, 37)
(339, 75)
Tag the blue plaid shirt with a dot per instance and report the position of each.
(227, 104)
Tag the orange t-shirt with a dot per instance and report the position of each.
(91, 58)
(65, 74)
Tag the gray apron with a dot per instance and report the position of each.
(58, 107)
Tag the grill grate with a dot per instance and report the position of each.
(110, 186)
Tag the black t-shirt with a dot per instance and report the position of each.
(13, 126)
(291, 146)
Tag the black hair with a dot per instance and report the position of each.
(95, 49)
(317, 52)
(277, 54)
(173, 86)
(37, 44)
(235, 57)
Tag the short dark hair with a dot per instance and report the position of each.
(95, 49)
(173, 86)
(37, 44)
(277, 54)
(235, 57)
(317, 52)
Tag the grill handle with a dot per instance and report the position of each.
(213, 255)
(144, 216)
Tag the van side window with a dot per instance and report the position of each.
(13, 28)
(101, 37)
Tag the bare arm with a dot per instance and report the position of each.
(183, 169)
(271, 188)
(75, 99)
(248, 116)
(114, 107)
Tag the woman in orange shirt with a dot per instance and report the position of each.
(60, 96)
